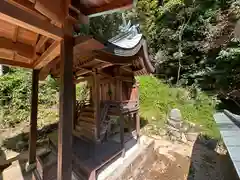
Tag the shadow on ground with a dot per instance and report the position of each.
(207, 164)
(13, 166)
(19, 142)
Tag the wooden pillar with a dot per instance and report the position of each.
(122, 133)
(33, 118)
(96, 86)
(119, 98)
(130, 123)
(137, 114)
(137, 126)
(65, 126)
(74, 105)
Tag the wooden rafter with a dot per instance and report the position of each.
(82, 71)
(19, 17)
(40, 43)
(102, 65)
(114, 59)
(127, 68)
(51, 53)
(22, 49)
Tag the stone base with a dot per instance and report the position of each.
(126, 167)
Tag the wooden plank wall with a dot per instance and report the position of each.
(129, 91)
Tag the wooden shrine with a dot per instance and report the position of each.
(38, 34)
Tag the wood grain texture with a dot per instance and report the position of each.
(20, 48)
(64, 171)
(51, 53)
(41, 42)
(52, 9)
(27, 6)
(19, 17)
(33, 118)
(14, 63)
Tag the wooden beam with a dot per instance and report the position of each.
(65, 126)
(82, 80)
(82, 39)
(20, 48)
(127, 68)
(82, 71)
(105, 7)
(19, 17)
(40, 43)
(124, 78)
(15, 63)
(114, 59)
(14, 38)
(102, 65)
(44, 72)
(52, 9)
(7, 54)
(27, 6)
(51, 53)
(33, 118)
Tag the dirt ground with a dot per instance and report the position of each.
(175, 161)
(171, 161)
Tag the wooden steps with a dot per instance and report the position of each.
(85, 125)
(87, 114)
(86, 119)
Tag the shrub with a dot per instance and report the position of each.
(158, 98)
(15, 94)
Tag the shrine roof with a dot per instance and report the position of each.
(31, 30)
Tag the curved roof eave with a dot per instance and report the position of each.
(137, 48)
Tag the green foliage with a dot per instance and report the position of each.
(15, 94)
(82, 92)
(103, 27)
(158, 98)
(195, 35)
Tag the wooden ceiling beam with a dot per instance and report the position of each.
(51, 53)
(20, 48)
(27, 6)
(102, 7)
(15, 63)
(53, 9)
(20, 17)
(40, 43)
